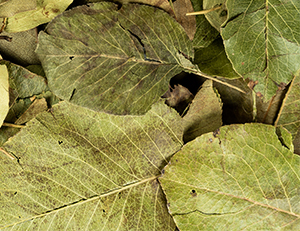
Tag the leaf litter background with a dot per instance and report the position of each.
(35, 176)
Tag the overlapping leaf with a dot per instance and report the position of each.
(262, 41)
(3, 93)
(42, 12)
(240, 179)
(79, 169)
(119, 61)
(289, 114)
(205, 33)
(204, 114)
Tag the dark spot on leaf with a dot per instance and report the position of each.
(19, 216)
(15, 193)
(103, 210)
(71, 57)
(55, 10)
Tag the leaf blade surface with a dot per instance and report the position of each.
(242, 178)
(64, 179)
(116, 61)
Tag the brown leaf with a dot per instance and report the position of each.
(181, 7)
(267, 111)
(178, 97)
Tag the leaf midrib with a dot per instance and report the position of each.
(83, 201)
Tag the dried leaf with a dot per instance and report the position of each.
(204, 114)
(181, 7)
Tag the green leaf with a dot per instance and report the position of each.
(262, 42)
(289, 114)
(118, 61)
(80, 169)
(44, 12)
(218, 16)
(205, 33)
(204, 114)
(3, 93)
(10, 7)
(212, 60)
(24, 82)
(240, 179)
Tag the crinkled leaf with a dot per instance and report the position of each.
(204, 114)
(81, 169)
(10, 7)
(3, 93)
(289, 114)
(241, 179)
(44, 12)
(119, 61)
(262, 41)
(178, 98)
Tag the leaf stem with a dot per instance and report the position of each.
(13, 125)
(214, 78)
(203, 11)
(6, 153)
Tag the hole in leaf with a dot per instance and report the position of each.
(71, 57)
(60, 142)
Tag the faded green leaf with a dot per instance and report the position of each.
(21, 48)
(216, 17)
(24, 86)
(118, 61)
(11, 7)
(289, 114)
(241, 179)
(262, 41)
(81, 169)
(38, 106)
(3, 93)
(204, 114)
(205, 33)
(44, 12)
(25, 82)
(212, 60)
